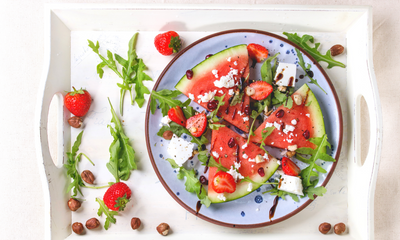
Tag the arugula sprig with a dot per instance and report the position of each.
(313, 51)
(254, 115)
(166, 99)
(282, 194)
(132, 72)
(306, 69)
(264, 134)
(215, 126)
(109, 214)
(122, 155)
(192, 184)
(213, 115)
(208, 160)
(178, 130)
(247, 179)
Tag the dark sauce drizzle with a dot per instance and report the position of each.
(273, 208)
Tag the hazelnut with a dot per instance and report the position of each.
(74, 204)
(135, 223)
(92, 223)
(250, 91)
(75, 121)
(325, 227)
(259, 158)
(336, 50)
(163, 229)
(298, 99)
(290, 154)
(282, 89)
(77, 227)
(339, 228)
(292, 147)
(87, 176)
(167, 135)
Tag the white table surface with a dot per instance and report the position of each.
(21, 64)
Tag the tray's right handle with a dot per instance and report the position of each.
(361, 82)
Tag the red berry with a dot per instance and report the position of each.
(197, 124)
(306, 134)
(223, 182)
(212, 105)
(117, 196)
(280, 113)
(231, 142)
(262, 90)
(289, 167)
(78, 102)
(257, 52)
(176, 115)
(261, 172)
(189, 74)
(168, 43)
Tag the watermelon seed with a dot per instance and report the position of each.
(189, 74)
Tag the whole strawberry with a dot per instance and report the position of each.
(168, 43)
(78, 102)
(117, 196)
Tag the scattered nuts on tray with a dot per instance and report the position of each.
(92, 223)
(77, 227)
(167, 135)
(325, 227)
(337, 49)
(75, 121)
(339, 228)
(135, 223)
(87, 176)
(163, 229)
(74, 204)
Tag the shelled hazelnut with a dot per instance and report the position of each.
(75, 122)
(163, 229)
(167, 135)
(77, 227)
(87, 176)
(339, 228)
(135, 223)
(73, 204)
(92, 223)
(325, 227)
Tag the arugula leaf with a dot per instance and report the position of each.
(312, 190)
(283, 98)
(264, 134)
(178, 130)
(132, 71)
(254, 115)
(318, 153)
(122, 155)
(208, 160)
(214, 126)
(282, 194)
(313, 51)
(213, 114)
(237, 98)
(305, 69)
(109, 214)
(166, 99)
(192, 184)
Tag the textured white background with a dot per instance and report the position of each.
(21, 64)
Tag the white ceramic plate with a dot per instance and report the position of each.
(253, 209)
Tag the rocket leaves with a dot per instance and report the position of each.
(167, 100)
(306, 69)
(178, 130)
(109, 214)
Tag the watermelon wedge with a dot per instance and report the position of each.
(296, 125)
(218, 75)
(248, 167)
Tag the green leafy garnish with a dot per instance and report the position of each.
(109, 214)
(214, 126)
(122, 155)
(318, 153)
(247, 179)
(306, 69)
(254, 115)
(282, 194)
(72, 167)
(313, 51)
(237, 98)
(213, 115)
(264, 134)
(208, 160)
(132, 72)
(192, 184)
(283, 98)
(166, 99)
(178, 130)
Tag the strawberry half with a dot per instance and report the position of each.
(117, 196)
(223, 182)
(290, 168)
(262, 90)
(257, 52)
(197, 124)
(167, 43)
(78, 102)
(176, 115)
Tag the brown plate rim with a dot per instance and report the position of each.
(274, 221)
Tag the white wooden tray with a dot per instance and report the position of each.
(70, 62)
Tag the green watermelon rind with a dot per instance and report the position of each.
(208, 65)
(241, 188)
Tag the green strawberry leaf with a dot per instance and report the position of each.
(121, 202)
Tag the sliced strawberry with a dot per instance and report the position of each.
(289, 167)
(262, 90)
(223, 182)
(176, 115)
(197, 124)
(257, 52)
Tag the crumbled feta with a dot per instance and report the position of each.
(289, 140)
(292, 147)
(252, 160)
(165, 121)
(308, 115)
(235, 174)
(180, 149)
(245, 156)
(231, 92)
(272, 143)
(277, 125)
(285, 74)
(237, 165)
(220, 91)
(240, 113)
(215, 72)
(291, 184)
(221, 197)
(215, 154)
(220, 148)
(288, 128)
(268, 124)
(207, 96)
(244, 146)
(235, 62)
(191, 96)
(246, 119)
(250, 187)
(228, 59)
(294, 122)
(259, 159)
(227, 81)
(266, 156)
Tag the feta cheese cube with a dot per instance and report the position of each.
(165, 121)
(250, 187)
(268, 124)
(191, 96)
(215, 154)
(244, 146)
(285, 74)
(180, 149)
(291, 184)
(227, 81)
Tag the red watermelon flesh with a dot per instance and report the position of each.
(307, 117)
(211, 70)
(225, 155)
